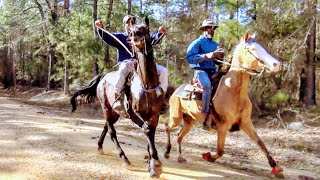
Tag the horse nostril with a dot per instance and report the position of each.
(275, 64)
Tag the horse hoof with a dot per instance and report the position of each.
(277, 171)
(207, 156)
(100, 151)
(157, 163)
(127, 162)
(152, 173)
(146, 156)
(166, 155)
(181, 159)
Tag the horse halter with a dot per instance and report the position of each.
(140, 37)
(253, 71)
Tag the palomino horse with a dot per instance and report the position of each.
(231, 104)
(144, 98)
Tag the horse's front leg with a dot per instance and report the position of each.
(222, 134)
(248, 128)
(149, 129)
(153, 158)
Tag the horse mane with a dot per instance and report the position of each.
(236, 50)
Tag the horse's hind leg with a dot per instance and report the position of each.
(222, 134)
(107, 115)
(173, 122)
(101, 139)
(113, 136)
(188, 123)
(249, 129)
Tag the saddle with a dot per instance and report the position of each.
(194, 89)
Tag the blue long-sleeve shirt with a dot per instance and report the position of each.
(122, 54)
(196, 52)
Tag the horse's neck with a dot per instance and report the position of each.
(149, 75)
(238, 78)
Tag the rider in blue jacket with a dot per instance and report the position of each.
(200, 55)
(125, 60)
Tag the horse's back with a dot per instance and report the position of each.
(180, 103)
(106, 85)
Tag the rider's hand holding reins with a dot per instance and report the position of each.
(217, 54)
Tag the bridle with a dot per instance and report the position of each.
(251, 71)
(142, 39)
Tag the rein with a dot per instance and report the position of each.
(115, 38)
(250, 71)
(247, 70)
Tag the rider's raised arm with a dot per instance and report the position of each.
(157, 36)
(107, 38)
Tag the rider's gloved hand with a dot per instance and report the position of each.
(219, 53)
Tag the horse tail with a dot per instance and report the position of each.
(89, 92)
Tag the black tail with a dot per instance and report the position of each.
(89, 92)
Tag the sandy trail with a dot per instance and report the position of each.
(38, 142)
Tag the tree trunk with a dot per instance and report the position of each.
(129, 7)
(51, 51)
(66, 6)
(66, 78)
(95, 17)
(206, 6)
(141, 6)
(108, 25)
(7, 67)
(309, 90)
(50, 57)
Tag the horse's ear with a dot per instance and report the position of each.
(146, 20)
(246, 36)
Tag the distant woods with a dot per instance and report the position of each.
(52, 43)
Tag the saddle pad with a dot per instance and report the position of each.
(180, 92)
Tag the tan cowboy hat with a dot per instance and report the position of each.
(127, 18)
(208, 23)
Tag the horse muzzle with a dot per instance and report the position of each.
(138, 44)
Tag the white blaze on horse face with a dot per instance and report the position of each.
(259, 52)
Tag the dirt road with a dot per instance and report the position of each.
(40, 142)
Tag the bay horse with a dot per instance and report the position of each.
(231, 104)
(143, 96)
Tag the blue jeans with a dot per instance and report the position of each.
(204, 79)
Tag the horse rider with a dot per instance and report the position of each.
(125, 59)
(201, 54)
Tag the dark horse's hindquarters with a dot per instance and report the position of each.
(144, 107)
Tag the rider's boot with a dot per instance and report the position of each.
(119, 105)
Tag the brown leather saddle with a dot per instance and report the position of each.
(194, 89)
